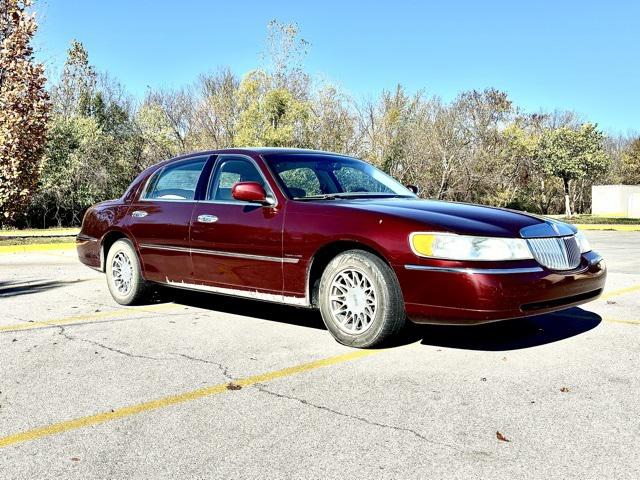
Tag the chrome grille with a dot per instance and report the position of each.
(558, 253)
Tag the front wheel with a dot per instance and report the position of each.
(124, 275)
(361, 300)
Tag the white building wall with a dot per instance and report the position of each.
(615, 200)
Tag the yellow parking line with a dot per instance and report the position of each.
(90, 316)
(621, 291)
(77, 423)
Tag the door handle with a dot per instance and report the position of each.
(207, 218)
(139, 214)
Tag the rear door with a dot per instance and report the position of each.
(238, 245)
(159, 220)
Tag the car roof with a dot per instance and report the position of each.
(259, 151)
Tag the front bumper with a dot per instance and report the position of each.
(463, 294)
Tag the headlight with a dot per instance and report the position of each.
(463, 247)
(583, 243)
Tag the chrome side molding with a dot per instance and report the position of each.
(219, 253)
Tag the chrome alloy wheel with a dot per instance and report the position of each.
(353, 301)
(122, 272)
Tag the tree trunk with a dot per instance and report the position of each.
(543, 196)
(567, 197)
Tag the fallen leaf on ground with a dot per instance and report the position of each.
(233, 386)
(564, 389)
(75, 459)
(501, 437)
(611, 302)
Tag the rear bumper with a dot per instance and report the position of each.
(89, 251)
(470, 295)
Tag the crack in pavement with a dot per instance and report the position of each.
(69, 337)
(261, 388)
(224, 370)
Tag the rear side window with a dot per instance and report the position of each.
(176, 182)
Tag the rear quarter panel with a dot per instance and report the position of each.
(98, 221)
(106, 217)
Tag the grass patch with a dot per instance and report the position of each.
(34, 240)
(595, 219)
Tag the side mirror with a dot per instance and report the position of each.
(250, 192)
(413, 188)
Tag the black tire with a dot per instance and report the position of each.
(138, 288)
(388, 317)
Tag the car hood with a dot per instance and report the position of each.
(464, 218)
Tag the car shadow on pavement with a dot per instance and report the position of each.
(505, 335)
(251, 308)
(12, 289)
(509, 334)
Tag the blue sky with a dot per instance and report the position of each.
(582, 56)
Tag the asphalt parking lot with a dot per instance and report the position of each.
(214, 387)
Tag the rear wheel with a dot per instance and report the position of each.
(124, 276)
(360, 299)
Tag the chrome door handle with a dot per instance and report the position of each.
(139, 214)
(207, 218)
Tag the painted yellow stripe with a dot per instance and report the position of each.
(88, 317)
(37, 247)
(618, 227)
(82, 422)
(621, 291)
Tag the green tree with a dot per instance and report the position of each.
(572, 154)
(93, 149)
(270, 116)
(73, 94)
(24, 109)
(631, 163)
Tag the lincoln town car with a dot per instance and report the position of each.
(327, 231)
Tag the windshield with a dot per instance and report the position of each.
(317, 176)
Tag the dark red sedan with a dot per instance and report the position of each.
(322, 230)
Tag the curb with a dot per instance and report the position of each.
(36, 247)
(44, 233)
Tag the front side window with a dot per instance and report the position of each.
(309, 176)
(301, 181)
(176, 182)
(229, 172)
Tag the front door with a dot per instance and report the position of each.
(237, 245)
(159, 220)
